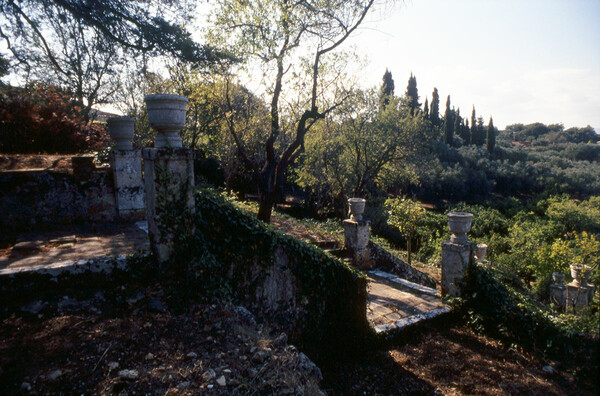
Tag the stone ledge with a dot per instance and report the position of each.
(405, 283)
(410, 321)
(104, 264)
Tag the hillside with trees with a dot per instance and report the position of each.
(276, 116)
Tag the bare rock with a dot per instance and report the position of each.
(308, 366)
(208, 375)
(260, 356)
(221, 381)
(33, 307)
(245, 315)
(53, 376)
(154, 304)
(129, 374)
(548, 370)
(280, 341)
(183, 385)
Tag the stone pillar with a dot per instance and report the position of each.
(558, 294)
(578, 296)
(457, 253)
(169, 179)
(456, 259)
(169, 176)
(356, 241)
(126, 165)
(356, 234)
(557, 291)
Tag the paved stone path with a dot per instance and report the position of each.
(395, 303)
(41, 249)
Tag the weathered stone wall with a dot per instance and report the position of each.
(33, 198)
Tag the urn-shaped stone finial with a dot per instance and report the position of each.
(166, 114)
(460, 225)
(357, 208)
(578, 272)
(121, 130)
(481, 251)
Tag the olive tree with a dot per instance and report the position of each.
(278, 35)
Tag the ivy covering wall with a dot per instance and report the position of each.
(233, 254)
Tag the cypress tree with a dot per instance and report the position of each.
(457, 122)
(480, 136)
(473, 127)
(434, 111)
(426, 109)
(467, 133)
(412, 94)
(448, 124)
(491, 136)
(387, 89)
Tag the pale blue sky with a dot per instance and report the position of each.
(519, 61)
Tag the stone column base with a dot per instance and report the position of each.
(456, 259)
(558, 294)
(578, 296)
(356, 240)
(170, 208)
(129, 186)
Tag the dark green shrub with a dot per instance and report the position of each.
(495, 304)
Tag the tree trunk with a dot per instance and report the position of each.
(265, 209)
(270, 190)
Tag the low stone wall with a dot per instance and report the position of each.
(317, 299)
(33, 198)
(385, 260)
(21, 285)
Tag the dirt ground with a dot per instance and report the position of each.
(452, 361)
(134, 342)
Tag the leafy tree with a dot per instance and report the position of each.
(387, 89)
(448, 124)
(360, 151)
(128, 23)
(70, 55)
(405, 214)
(4, 66)
(274, 33)
(491, 136)
(412, 94)
(434, 112)
(42, 119)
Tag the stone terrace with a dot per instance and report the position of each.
(395, 303)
